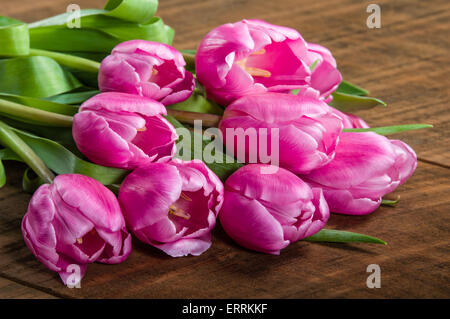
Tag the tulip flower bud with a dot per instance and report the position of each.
(253, 56)
(146, 68)
(266, 212)
(75, 221)
(123, 130)
(306, 128)
(172, 206)
(366, 167)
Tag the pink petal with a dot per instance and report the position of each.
(251, 225)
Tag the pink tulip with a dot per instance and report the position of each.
(366, 167)
(150, 69)
(307, 130)
(172, 206)
(123, 130)
(75, 221)
(267, 212)
(253, 56)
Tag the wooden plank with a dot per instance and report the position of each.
(12, 290)
(405, 63)
(415, 262)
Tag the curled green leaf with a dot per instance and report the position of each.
(14, 37)
(101, 30)
(35, 76)
(340, 236)
(139, 11)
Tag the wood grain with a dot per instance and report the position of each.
(10, 289)
(406, 63)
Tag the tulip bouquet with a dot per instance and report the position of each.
(253, 128)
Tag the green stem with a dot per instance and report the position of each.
(35, 115)
(10, 139)
(68, 60)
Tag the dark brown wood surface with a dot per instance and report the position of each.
(406, 63)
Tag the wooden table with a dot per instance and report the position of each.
(405, 62)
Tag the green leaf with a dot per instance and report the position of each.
(10, 139)
(72, 98)
(62, 161)
(2, 174)
(30, 181)
(14, 37)
(35, 76)
(61, 135)
(101, 30)
(99, 34)
(191, 52)
(351, 103)
(313, 65)
(389, 202)
(7, 155)
(352, 89)
(198, 103)
(139, 11)
(61, 19)
(339, 236)
(387, 130)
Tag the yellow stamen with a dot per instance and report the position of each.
(154, 71)
(143, 129)
(259, 52)
(80, 240)
(178, 212)
(253, 71)
(257, 72)
(185, 197)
